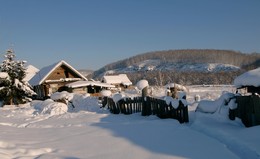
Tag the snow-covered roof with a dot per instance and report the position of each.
(88, 83)
(30, 72)
(43, 74)
(116, 79)
(250, 78)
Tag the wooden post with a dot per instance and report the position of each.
(144, 104)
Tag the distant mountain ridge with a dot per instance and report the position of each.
(189, 60)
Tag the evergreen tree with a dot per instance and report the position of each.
(13, 90)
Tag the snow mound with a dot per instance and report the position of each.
(62, 95)
(49, 107)
(211, 106)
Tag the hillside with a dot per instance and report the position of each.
(184, 64)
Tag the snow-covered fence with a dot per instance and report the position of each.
(248, 110)
(125, 106)
(149, 106)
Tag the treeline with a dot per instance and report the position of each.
(244, 61)
(161, 78)
(189, 56)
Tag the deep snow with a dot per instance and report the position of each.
(40, 130)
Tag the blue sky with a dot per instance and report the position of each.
(89, 34)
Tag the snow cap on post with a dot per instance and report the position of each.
(117, 97)
(142, 84)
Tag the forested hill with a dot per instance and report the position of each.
(189, 60)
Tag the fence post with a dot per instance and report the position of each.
(144, 103)
(186, 114)
(104, 101)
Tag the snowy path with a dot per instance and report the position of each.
(226, 132)
(91, 135)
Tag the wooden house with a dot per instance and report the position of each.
(53, 78)
(119, 81)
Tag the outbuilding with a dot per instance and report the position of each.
(91, 87)
(119, 81)
(248, 102)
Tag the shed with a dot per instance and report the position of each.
(249, 80)
(91, 87)
(120, 80)
(248, 105)
(53, 78)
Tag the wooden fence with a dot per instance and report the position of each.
(248, 110)
(148, 106)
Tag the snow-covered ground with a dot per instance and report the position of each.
(45, 130)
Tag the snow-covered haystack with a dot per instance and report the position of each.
(211, 106)
(49, 107)
(177, 86)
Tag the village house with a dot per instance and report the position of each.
(54, 78)
(119, 81)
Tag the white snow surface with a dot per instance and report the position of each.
(250, 78)
(46, 129)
